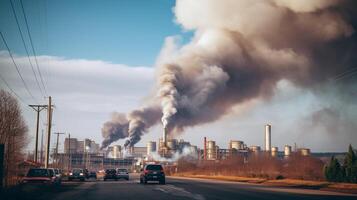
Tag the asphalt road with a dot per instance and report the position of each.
(175, 188)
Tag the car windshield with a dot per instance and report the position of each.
(77, 171)
(109, 171)
(154, 167)
(38, 173)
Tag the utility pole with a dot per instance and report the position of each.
(57, 146)
(38, 109)
(69, 151)
(49, 123)
(41, 152)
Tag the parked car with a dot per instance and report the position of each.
(55, 173)
(86, 173)
(152, 172)
(123, 173)
(41, 176)
(58, 174)
(76, 174)
(110, 174)
(92, 175)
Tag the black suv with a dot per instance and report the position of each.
(152, 172)
(110, 174)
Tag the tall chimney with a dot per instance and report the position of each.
(268, 137)
(204, 148)
(164, 137)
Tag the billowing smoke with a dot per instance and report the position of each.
(240, 50)
(130, 126)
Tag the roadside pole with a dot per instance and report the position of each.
(49, 121)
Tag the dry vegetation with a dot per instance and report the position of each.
(256, 166)
(13, 135)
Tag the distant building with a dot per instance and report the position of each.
(73, 145)
(70, 145)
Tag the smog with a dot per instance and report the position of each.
(230, 62)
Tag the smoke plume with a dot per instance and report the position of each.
(240, 50)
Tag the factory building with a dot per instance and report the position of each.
(255, 149)
(237, 145)
(150, 147)
(73, 145)
(117, 153)
(304, 151)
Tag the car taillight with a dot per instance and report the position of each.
(146, 171)
(162, 171)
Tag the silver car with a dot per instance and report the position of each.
(122, 173)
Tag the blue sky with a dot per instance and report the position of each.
(125, 31)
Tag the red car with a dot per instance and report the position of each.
(40, 176)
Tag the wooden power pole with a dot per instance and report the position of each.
(49, 124)
(38, 109)
(57, 146)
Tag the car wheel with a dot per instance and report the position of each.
(82, 179)
(141, 181)
(69, 179)
(162, 182)
(105, 179)
(145, 181)
(116, 179)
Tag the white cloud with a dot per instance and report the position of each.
(84, 92)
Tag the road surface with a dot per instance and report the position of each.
(175, 188)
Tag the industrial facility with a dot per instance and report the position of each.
(87, 153)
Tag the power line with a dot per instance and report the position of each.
(23, 42)
(17, 68)
(32, 46)
(13, 91)
(348, 73)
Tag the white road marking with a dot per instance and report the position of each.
(177, 191)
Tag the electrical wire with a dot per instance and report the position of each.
(23, 42)
(13, 91)
(17, 68)
(32, 46)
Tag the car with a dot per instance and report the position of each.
(152, 172)
(86, 173)
(76, 173)
(123, 173)
(58, 174)
(40, 176)
(92, 175)
(110, 174)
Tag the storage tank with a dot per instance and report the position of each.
(116, 151)
(304, 151)
(274, 151)
(211, 150)
(235, 144)
(172, 144)
(287, 150)
(267, 137)
(151, 147)
(255, 148)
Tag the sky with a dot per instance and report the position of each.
(98, 57)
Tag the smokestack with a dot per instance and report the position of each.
(197, 84)
(204, 148)
(164, 137)
(267, 137)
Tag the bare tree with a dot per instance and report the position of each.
(13, 134)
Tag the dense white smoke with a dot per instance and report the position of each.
(240, 50)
